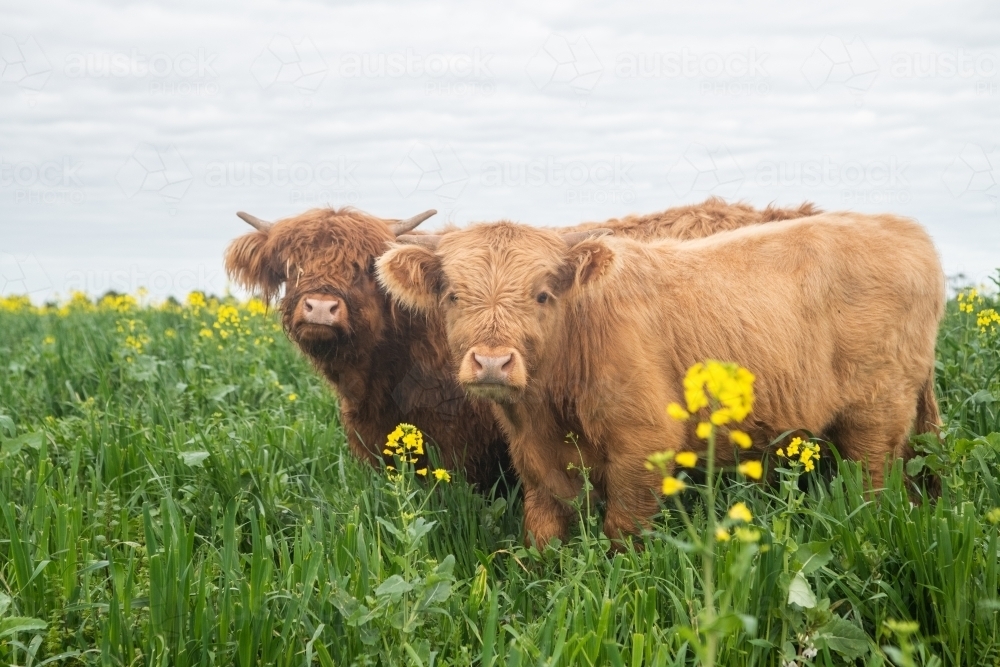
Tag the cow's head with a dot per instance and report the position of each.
(324, 261)
(502, 290)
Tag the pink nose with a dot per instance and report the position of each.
(493, 368)
(321, 311)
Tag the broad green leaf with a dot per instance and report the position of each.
(194, 459)
(800, 592)
(843, 637)
(393, 587)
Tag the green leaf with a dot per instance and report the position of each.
(983, 397)
(914, 466)
(813, 556)
(15, 445)
(843, 637)
(7, 426)
(14, 624)
(800, 592)
(193, 459)
(4, 603)
(221, 392)
(393, 587)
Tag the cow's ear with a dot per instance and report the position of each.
(411, 274)
(585, 263)
(250, 264)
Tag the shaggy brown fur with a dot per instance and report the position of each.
(836, 314)
(390, 367)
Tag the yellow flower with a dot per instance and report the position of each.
(48, 340)
(721, 534)
(704, 430)
(442, 475)
(677, 411)
(793, 447)
(686, 459)
(752, 469)
(740, 512)
(740, 438)
(672, 486)
(206, 333)
(780, 452)
(993, 516)
(747, 534)
(422, 471)
(293, 397)
(170, 333)
(809, 465)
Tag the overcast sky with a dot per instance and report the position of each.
(132, 132)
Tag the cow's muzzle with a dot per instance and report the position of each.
(320, 316)
(492, 371)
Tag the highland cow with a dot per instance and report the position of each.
(836, 314)
(389, 366)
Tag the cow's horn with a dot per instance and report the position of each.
(572, 238)
(254, 221)
(429, 241)
(404, 226)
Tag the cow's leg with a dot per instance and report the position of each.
(876, 434)
(545, 516)
(631, 489)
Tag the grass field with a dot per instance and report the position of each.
(175, 490)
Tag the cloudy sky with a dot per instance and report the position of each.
(132, 132)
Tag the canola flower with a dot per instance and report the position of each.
(672, 486)
(406, 442)
(740, 512)
(752, 469)
(686, 459)
(988, 320)
(801, 452)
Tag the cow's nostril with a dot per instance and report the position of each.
(309, 306)
(506, 366)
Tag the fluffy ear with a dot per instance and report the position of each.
(250, 265)
(411, 274)
(586, 262)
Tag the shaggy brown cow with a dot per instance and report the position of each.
(390, 367)
(836, 314)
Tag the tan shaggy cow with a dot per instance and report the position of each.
(836, 314)
(388, 366)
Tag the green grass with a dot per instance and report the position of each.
(165, 501)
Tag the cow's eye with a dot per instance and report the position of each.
(453, 297)
(542, 297)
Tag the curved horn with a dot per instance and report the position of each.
(429, 241)
(572, 238)
(404, 226)
(254, 221)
